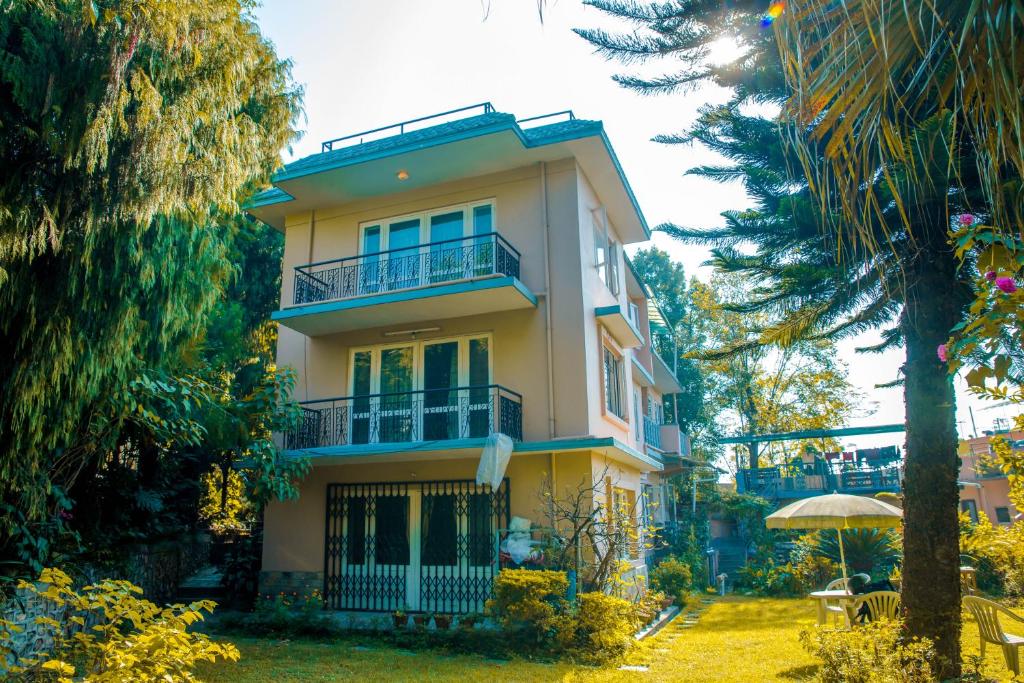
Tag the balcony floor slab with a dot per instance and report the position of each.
(452, 300)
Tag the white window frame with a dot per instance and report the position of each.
(606, 407)
(418, 363)
(424, 218)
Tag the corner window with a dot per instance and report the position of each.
(612, 277)
(606, 253)
(613, 392)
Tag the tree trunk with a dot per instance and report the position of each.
(931, 562)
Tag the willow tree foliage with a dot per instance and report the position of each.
(129, 132)
(820, 271)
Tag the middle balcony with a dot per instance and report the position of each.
(446, 414)
(442, 279)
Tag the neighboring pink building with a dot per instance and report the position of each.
(983, 488)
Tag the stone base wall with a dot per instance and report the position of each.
(299, 583)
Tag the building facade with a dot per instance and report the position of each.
(445, 280)
(984, 488)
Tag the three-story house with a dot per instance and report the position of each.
(446, 279)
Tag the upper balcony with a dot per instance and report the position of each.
(461, 276)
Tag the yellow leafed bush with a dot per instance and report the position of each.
(604, 626)
(527, 598)
(874, 653)
(107, 633)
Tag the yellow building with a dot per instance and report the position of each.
(445, 280)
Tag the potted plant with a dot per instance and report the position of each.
(666, 601)
(400, 618)
(421, 620)
(442, 621)
(469, 620)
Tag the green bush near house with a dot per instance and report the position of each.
(672, 577)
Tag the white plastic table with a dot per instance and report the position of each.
(823, 597)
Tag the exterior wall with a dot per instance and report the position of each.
(987, 491)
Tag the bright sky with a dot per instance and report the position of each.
(371, 63)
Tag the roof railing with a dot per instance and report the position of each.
(485, 107)
(570, 116)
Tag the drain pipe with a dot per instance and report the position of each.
(547, 305)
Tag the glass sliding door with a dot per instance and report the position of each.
(440, 393)
(480, 406)
(403, 259)
(483, 247)
(422, 391)
(362, 387)
(446, 259)
(369, 278)
(396, 415)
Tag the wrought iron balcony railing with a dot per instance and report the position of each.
(434, 263)
(652, 433)
(425, 415)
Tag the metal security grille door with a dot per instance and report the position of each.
(420, 546)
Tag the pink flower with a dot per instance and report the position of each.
(990, 275)
(1006, 284)
(966, 219)
(941, 351)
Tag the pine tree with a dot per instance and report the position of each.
(823, 283)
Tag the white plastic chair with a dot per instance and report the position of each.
(987, 614)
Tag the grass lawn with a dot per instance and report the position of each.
(736, 639)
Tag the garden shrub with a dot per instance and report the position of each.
(874, 653)
(106, 633)
(815, 572)
(534, 615)
(996, 552)
(286, 616)
(528, 601)
(672, 577)
(603, 627)
(765, 577)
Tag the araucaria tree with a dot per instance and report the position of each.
(819, 272)
(131, 130)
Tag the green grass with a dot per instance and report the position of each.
(736, 639)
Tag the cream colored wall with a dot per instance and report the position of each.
(520, 347)
(596, 294)
(294, 530)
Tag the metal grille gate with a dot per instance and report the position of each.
(419, 546)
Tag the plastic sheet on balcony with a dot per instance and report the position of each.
(494, 460)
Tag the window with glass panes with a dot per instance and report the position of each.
(614, 401)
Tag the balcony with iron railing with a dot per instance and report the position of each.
(462, 276)
(652, 432)
(407, 417)
(462, 258)
(789, 482)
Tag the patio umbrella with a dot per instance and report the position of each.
(836, 511)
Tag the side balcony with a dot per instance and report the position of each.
(786, 483)
(431, 415)
(456, 277)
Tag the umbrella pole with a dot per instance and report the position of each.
(842, 559)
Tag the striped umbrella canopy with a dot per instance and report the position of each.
(836, 511)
